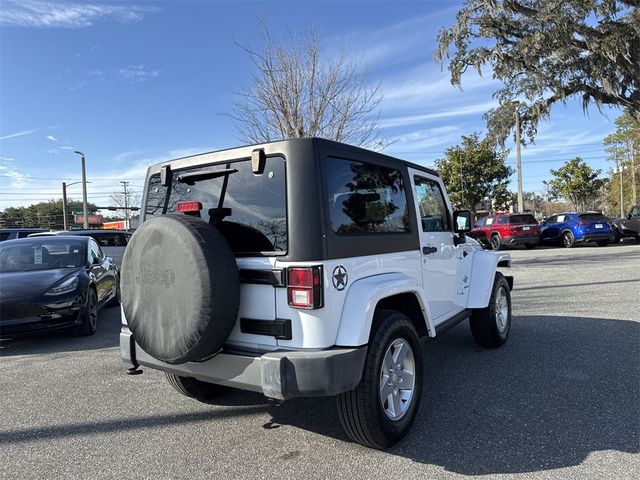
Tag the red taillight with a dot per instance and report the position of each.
(188, 207)
(304, 287)
(581, 224)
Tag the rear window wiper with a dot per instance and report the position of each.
(193, 177)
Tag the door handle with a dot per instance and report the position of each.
(428, 250)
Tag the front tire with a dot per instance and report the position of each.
(616, 236)
(490, 326)
(381, 409)
(194, 388)
(89, 323)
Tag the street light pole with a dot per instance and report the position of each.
(84, 192)
(65, 219)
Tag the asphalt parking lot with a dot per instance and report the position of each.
(560, 400)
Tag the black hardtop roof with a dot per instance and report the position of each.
(19, 229)
(275, 146)
(47, 238)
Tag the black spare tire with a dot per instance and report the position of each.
(180, 288)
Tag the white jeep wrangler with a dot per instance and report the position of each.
(304, 268)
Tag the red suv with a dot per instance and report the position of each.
(500, 229)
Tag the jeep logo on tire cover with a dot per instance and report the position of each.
(151, 276)
(340, 277)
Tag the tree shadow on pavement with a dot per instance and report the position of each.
(106, 336)
(560, 389)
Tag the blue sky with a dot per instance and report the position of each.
(135, 83)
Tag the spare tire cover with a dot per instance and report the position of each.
(180, 288)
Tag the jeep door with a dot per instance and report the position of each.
(440, 257)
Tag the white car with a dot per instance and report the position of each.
(305, 268)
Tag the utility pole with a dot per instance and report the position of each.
(519, 161)
(65, 219)
(126, 204)
(619, 168)
(634, 194)
(84, 193)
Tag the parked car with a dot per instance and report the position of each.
(13, 233)
(570, 228)
(112, 242)
(507, 229)
(627, 227)
(313, 277)
(54, 283)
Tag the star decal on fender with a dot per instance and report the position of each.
(339, 277)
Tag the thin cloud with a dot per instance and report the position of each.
(136, 73)
(52, 138)
(19, 134)
(405, 120)
(52, 14)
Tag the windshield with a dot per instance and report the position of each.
(249, 210)
(41, 254)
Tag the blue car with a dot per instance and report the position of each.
(571, 228)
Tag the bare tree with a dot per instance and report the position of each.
(296, 92)
(122, 200)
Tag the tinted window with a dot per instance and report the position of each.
(111, 239)
(252, 212)
(4, 236)
(42, 255)
(522, 219)
(365, 198)
(635, 212)
(434, 214)
(503, 220)
(593, 216)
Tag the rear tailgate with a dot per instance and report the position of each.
(257, 304)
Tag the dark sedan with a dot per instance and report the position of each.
(54, 283)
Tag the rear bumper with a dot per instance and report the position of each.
(595, 237)
(280, 375)
(521, 240)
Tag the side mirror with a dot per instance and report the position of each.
(462, 221)
(629, 216)
(109, 259)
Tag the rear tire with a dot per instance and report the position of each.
(490, 326)
(115, 301)
(495, 242)
(568, 239)
(194, 388)
(380, 411)
(602, 243)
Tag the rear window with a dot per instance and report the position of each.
(366, 198)
(593, 216)
(111, 239)
(522, 219)
(248, 209)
